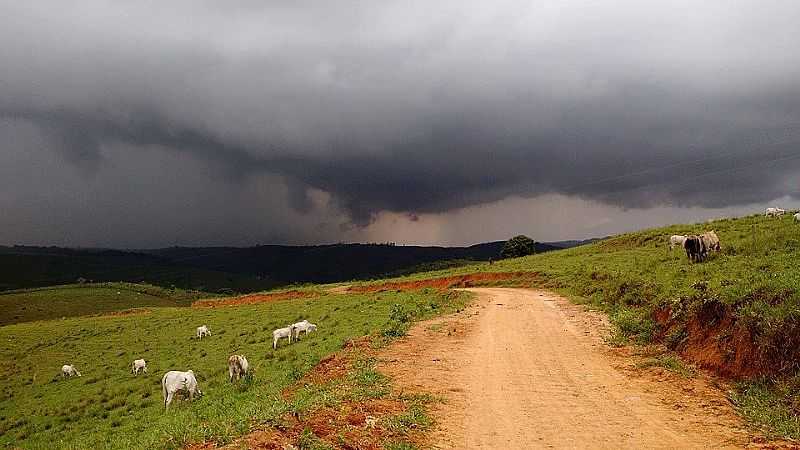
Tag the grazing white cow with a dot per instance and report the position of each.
(203, 331)
(676, 240)
(797, 217)
(68, 370)
(237, 366)
(303, 327)
(175, 381)
(775, 212)
(139, 365)
(280, 333)
(302, 324)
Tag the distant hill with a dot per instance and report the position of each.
(327, 263)
(573, 243)
(233, 269)
(27, 266)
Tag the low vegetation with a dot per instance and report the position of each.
(110, 408)
(671, 363)
(345, 402)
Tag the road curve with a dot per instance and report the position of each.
(525, 369)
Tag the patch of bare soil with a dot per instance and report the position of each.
(524, 369)
(460, 281)
(362, 425)
(345, 289)
(253, 299)
(351, 425)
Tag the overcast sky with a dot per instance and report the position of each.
(152, 123)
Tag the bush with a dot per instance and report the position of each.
(398, 323)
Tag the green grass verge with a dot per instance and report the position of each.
(671, 363)
(110, 408)
(772, 406)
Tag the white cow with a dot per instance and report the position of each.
(676, 240)
(303, 327)
(280, 333)
(174, 381)
(302, 324)
(237, 366)
(774, 212)
(68, 370)
(139, 365)
(203, 331)
(797, 217)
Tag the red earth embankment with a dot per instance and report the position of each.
(714, 339)
(254, 299)
(459, 281)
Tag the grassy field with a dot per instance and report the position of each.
(110, 408)
(81, 300)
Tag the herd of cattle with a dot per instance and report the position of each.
(176, 381)
(698, 246)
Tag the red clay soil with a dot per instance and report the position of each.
(253, 299)
(460, 281)
(731, 354)
(715, 342)
(352, 425)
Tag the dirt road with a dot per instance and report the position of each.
(526, 369)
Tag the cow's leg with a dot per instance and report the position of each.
(274, 343)
(170, 394)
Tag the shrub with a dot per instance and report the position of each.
(398, 322)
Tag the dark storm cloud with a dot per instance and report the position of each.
(416, 108)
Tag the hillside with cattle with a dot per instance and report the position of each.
(713, 304)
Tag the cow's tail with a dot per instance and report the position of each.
(164, 389)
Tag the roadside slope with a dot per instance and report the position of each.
(527, 369)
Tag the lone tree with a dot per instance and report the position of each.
(518, 246)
